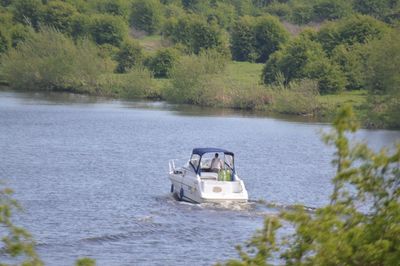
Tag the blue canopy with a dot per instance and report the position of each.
(201, 151)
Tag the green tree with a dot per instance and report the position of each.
(162, 62)
(108, 29)
(59, 15)
(270, 34)
(195, 33)
(331, 9)
(28, 12)
(129, 55)
(304, 58)
(349, 31)
(382, 78)
(255, 39)
(49, 60)
(351, 59)
(243, 40)
(146, 15)
(113, 7)
(375, 8)
(340, 233)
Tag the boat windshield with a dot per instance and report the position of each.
(205, 164)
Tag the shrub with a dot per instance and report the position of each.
(129, 55)
(243, 39)
(80, 26)
(19, 34)
(254, 39)
(298, 98)
(190, 75)
(304, 59)
(270, 34)
(4, 42)
(382, 79)
(113, 7)
(282, 10)
(362, 216)
(50, 61)
(331, 9)
(195, 33)
(162, 62)
(302, 13)
(59, 15)
(352, 30)
(28, 12)
(108, 29)
(351, 61)
(146, 15)
(375, 8)
(137, 83)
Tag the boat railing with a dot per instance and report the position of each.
(172, 167)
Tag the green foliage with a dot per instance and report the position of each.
(260, 247)
(340, 233)
(80, 26)
(195, 33)
(223, 14)
(255, 39)
(279, 9)
(17, 242)
(113, 7)
(189, 75)
(162, 62)
(298, 98)
(383, 80)
(146, 15)
(349, 31)
(137, 83)
(4, 42)
(108, 29)
(28, 12)
(243, 39)
(302, 12)
(51, 61)
(304, 59)
(375, 8)
(269, 36)
(351, 62)
(85, 262)
(129, 55)
(331, 9)
(19, 34)
(59, 15)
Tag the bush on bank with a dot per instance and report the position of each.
(49, 60)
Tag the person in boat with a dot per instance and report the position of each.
(216, 164)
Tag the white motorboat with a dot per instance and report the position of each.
(208, 176)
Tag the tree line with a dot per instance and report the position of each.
(341, 45)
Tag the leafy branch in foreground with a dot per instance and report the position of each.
(361, 225)
(17, 242)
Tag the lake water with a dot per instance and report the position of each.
(92, 176)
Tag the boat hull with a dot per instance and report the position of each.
(194, 189)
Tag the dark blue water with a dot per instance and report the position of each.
(92, 176)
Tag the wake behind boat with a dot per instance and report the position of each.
(208, 176)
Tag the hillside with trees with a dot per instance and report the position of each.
(281, 56)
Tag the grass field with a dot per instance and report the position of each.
(244, 72)
(355, 98)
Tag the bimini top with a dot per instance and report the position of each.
(201, 151)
